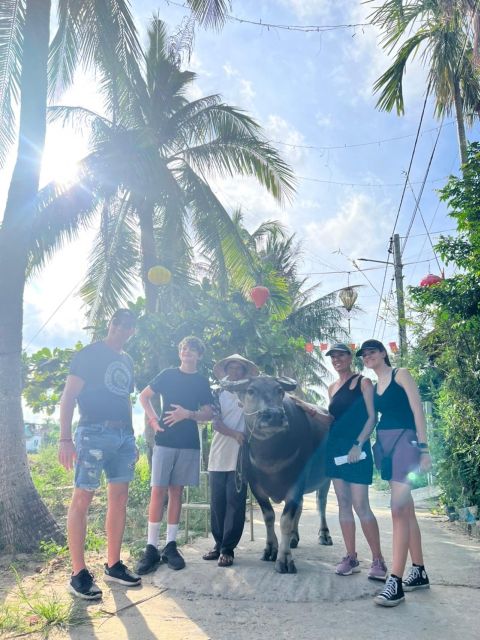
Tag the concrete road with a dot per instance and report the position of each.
(250, 601)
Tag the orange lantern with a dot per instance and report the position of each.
(430, 279)
(393, 347)
(323, 346)
(309, 347)
(259, 295)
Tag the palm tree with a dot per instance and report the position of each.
(90, 32)
(441, 33)
(149, 168)
(276, 338)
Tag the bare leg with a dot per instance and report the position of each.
(402, 509)
(117, 496)
(77, 527)
(345, 513)
(157, 502)
(367, 518)
(174, 504)
(415, 538)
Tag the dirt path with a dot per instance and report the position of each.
(250, 600)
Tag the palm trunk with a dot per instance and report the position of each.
(149, 255)
(24, 519)
(462, 138)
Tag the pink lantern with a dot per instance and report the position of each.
(393, 347)
(429, 280)
(259, 295)
(309, 347)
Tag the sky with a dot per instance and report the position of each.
(312, 94)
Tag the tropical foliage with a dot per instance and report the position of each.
(453, 344)
(439, 31)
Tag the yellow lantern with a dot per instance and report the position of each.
(159, 275)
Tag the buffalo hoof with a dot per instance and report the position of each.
(294, 540)
(285, 567)
(324, 537)
(269, 554)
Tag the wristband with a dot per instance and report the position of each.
(424, 451)
(422, 445)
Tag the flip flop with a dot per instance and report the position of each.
(225, 560)
(211, 555)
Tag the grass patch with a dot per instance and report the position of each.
(36, 612)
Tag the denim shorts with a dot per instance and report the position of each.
(100, 448)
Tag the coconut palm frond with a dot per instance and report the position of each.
(215, 231)
(63, 211)
(111, 275)
(317, 319)
(211, 13)
(390, 83)
(245, 156)
(12, 19)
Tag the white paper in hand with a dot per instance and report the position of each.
(344, 459)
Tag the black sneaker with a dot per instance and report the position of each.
(149, 561)
(82, 586)
(119, 573)
(416, 579)
(392, 594)
(172, 557)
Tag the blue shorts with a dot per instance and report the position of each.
(101, 448)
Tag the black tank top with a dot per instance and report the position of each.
(348, 408)
(394, 406)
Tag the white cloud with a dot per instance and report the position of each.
(247, 92)
(229, 70)
(314, 8)
(360, 224)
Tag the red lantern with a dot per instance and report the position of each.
(259, 295)
(393, 347)
(430, 279)
(352, 346)
(309, 347)
(323, 346)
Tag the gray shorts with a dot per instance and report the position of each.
(175, 467)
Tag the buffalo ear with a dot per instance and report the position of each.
(287, 384)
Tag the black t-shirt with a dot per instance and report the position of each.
(190, 391)
(108, 377)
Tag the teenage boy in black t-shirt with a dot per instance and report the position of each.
(186, 400)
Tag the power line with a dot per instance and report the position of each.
(359, 144)
(307, 28)
(369, 184)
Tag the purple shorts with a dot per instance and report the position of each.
(405, 457)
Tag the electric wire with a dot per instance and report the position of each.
(285, 27)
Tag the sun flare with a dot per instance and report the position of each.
(64, 148)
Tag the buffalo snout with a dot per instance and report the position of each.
(273, 416)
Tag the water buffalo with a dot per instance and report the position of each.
(284, 458)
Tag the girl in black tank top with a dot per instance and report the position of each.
(401, 436)
(351, 404)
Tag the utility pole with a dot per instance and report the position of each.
(402, 327)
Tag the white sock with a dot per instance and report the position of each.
(172, 530)
(153, 533)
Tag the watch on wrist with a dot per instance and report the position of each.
(422, 445)
(356, 443)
